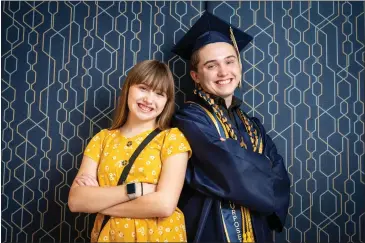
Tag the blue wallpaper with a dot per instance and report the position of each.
(63, 64)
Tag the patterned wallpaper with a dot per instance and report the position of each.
(63, 63)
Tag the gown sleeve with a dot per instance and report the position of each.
(281, 183)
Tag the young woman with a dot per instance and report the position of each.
(144, 207)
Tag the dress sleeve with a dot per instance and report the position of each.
(95, 147)
(174, 143)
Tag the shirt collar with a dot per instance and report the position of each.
(236, 102)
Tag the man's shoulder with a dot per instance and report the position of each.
(191, 113)
(191, 106)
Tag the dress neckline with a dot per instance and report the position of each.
(135, 136)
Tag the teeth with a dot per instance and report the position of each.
(144, 108)
(224, 81)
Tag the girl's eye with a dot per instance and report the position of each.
(160, 94)
(142, 88)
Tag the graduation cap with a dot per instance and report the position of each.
(210, 29)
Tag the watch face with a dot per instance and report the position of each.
(131, 188)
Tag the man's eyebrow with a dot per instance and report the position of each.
(209, 61)
(230, 56)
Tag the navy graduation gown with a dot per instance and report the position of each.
(222, 170)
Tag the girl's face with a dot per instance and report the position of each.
(144, 103)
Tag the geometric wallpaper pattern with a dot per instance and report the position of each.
(63, 64)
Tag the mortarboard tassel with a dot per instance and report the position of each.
(236, 48)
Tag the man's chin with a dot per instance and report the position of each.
(225, 95)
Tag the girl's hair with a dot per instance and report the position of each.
(155, 75)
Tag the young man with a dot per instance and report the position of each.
(236, 186)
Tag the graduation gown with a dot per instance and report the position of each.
(222, 170)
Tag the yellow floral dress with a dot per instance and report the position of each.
(112, 150)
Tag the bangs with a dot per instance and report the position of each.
(157, 78)
(158, 83)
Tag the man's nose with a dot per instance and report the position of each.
(222, 71)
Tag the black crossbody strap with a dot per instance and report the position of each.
(128, 167)
(134, 156)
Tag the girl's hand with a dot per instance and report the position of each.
(86, 180)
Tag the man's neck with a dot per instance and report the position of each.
(228, 101)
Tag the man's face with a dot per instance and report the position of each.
(218, 71)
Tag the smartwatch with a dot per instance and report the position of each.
(131, 190)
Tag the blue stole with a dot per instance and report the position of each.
(232, 221)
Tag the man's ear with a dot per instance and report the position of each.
(194, 76)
